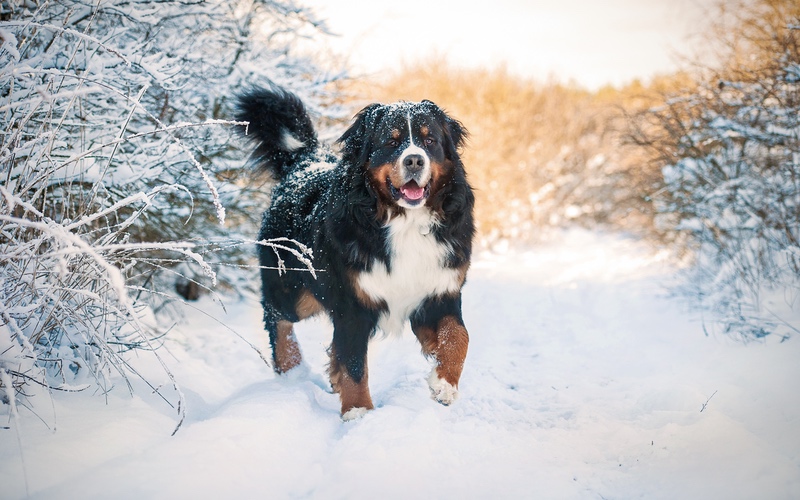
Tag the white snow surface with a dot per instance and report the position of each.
(584, 379)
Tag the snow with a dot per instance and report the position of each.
(584, 379)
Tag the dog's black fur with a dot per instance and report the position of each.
(342, 209)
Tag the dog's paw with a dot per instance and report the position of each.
(354, 413)
(442, 390)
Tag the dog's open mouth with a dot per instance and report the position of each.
(410, 192)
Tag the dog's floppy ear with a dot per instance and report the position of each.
(458, 134)
(355, 139)
(454, 131)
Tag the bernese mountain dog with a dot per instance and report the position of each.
(390, 223)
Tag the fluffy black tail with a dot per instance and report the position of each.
(280, 127)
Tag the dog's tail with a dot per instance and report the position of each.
(279, 126)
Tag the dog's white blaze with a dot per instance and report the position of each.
(417, 262)
(413, 149)
(411, 137)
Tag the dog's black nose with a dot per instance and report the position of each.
(414, 163)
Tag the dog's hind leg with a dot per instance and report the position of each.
(285, 349)
(348, 364)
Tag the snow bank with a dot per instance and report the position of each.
(583, 380)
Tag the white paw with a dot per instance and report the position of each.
(442, 390)
(354, 413)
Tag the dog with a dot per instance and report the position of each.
(389, 219)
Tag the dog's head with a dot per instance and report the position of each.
(407, 151)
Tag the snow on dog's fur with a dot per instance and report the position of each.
(390, 224)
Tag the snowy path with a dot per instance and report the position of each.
(583, 380)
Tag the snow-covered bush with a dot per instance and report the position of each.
(119, 171)
(730, 150)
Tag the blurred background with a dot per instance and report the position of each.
(575, 41)
(576, 108)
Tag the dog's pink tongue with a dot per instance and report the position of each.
(412, 191)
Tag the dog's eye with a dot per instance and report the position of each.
(429, 141)
(392, 143)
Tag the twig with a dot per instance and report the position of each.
(706, 403)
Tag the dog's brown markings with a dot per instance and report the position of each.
(307, 305)
(376, 176)
(437, 175)
(441, 175)
(287, 351)
(363, 297)
(462, 274)
(351, 393)
(448, 345)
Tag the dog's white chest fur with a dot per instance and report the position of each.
(417, 270)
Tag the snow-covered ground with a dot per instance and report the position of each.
(584, 379)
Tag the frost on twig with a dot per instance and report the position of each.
(119, 172)
(301, 252)
(705, 405)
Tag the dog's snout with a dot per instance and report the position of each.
(414, 163)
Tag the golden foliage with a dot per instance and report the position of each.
(538, 154)
(543, 154)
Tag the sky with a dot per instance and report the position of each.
(591, 43)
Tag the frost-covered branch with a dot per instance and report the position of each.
(116, 157)
(729, 145)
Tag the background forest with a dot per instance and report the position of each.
(124, 188)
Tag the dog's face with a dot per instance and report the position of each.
(407, 150)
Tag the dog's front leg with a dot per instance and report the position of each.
(348, 362)
(441, 333)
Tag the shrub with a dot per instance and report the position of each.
(729, 148)
(119, 170)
